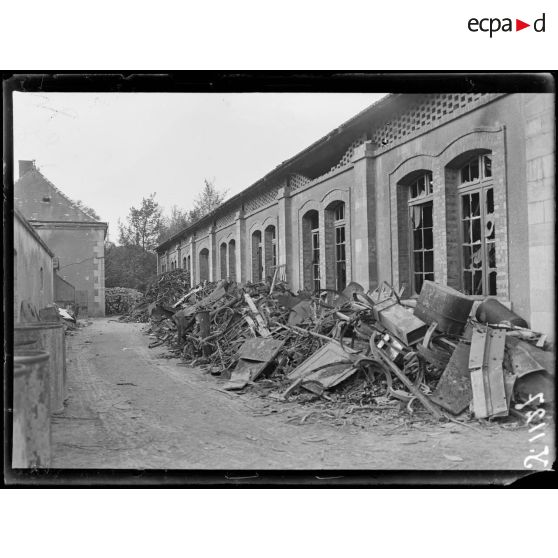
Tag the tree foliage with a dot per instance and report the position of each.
(179, 219)
(129, 266)
(88, 210)
(209, 199)
(144, 225)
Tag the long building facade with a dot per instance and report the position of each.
(457, 188)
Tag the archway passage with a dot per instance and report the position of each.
(257, 257)
(270, 241)
(232, 260)
(223, 260)
(204, 265)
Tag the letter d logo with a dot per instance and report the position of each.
(539, 24)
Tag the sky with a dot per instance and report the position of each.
(110, 150)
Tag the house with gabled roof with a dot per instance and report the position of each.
(76, 238)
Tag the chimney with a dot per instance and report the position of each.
(25, 166)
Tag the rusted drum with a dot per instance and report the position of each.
(31, 410)
(492, 311)
(51, 339)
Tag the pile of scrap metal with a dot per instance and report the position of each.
(163, 292)
(441, 350)
(120, 300)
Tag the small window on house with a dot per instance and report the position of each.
(46, 198)
(42, 278)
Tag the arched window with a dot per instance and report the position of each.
(270, 251)
(232, 260)
(477, 224)
(184, 263)
(257, 259)
(204, 265)
(42, 278)
(189, 264)
(223, 260)
(311, 250)
(420, 202)
(415, 230)
(336, 245)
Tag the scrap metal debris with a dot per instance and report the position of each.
(120, 300)
(351, 354)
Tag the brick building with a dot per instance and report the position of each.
(455, 188)
(76, 239)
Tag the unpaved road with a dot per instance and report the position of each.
(130, 408)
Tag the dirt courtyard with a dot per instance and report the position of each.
(128, 407)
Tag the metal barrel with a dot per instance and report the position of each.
(492, 311)
(31, 410)
(51, 339)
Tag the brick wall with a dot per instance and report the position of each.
(540, 156)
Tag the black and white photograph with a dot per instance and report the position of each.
(265, 276)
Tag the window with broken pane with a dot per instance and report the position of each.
(422, 230)
(477, 168)
(421, 187)
(316, 259)
(478, 237)
(340, 247)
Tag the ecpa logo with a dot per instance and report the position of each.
(494, 24)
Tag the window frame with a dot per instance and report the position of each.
(480, 185)
(340, 224)
(427, 198)
(316, 274)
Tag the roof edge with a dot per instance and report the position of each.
(389, 97)
(33, 232)
(68, 199)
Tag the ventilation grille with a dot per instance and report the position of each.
(225, 220)
(263, 200)
(430, 109)
(297, 181)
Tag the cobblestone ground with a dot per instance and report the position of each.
(130, 408)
